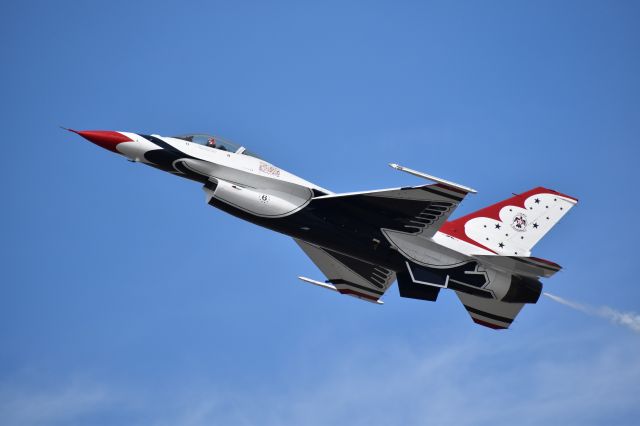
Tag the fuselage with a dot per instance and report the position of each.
(363, 242)
(248, 187)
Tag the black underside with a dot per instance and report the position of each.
(363, 242)
(351, 228)
(352, 225)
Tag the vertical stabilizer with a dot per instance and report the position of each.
(513, 226)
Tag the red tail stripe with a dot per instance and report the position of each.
(455, 228)
(488, 324)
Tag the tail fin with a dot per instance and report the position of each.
(513, 226)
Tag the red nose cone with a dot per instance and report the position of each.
(104, 138)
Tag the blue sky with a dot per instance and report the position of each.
(125, 299)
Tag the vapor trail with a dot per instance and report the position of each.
(630, 320)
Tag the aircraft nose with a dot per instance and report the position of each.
(104, 138)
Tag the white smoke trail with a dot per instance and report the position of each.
(630, 320)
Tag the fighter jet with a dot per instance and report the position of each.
(365, 241)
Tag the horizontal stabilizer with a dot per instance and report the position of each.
(520, 265)
(490, 312)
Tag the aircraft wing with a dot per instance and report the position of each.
(414, 210)
(348, 275)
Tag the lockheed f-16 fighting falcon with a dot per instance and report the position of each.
(364, 241)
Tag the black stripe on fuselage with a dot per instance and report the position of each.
(165, 145)
(165, 156)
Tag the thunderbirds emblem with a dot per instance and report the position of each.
(519, 222)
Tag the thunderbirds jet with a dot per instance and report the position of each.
(364, 241)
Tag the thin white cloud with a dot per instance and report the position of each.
(498, 380)
(463, 384)
(59, 405)
(631, 320)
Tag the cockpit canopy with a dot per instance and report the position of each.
(215, 142)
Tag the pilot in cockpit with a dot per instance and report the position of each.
(211, 143)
